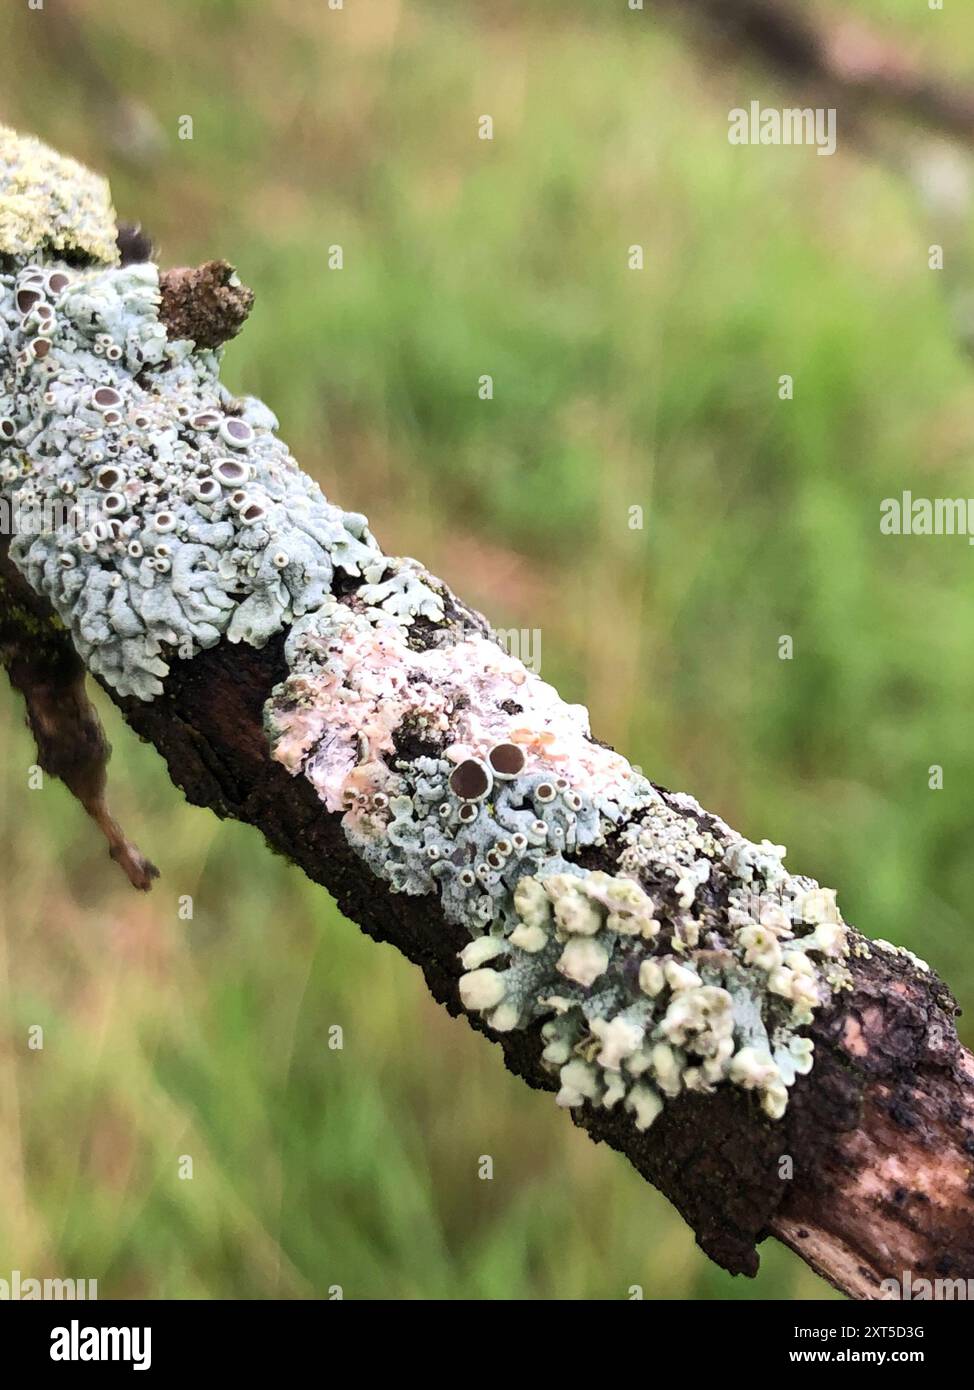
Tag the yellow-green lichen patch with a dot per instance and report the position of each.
(51, 203)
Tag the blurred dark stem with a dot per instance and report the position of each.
(42, 664)
(841, 61)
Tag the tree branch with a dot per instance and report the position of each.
(861, 1164)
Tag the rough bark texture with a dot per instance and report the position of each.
(869, 1172)
(206, 303)
(892, 1093)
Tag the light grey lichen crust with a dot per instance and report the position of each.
(658, 951)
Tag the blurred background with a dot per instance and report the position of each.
(613, 388)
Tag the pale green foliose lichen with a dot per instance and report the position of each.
(156, 512)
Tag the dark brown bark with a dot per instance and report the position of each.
(206, 303)
(892, 1092)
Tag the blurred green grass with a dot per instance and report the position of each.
(612, 388)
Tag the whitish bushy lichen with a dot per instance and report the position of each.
(660, 951)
